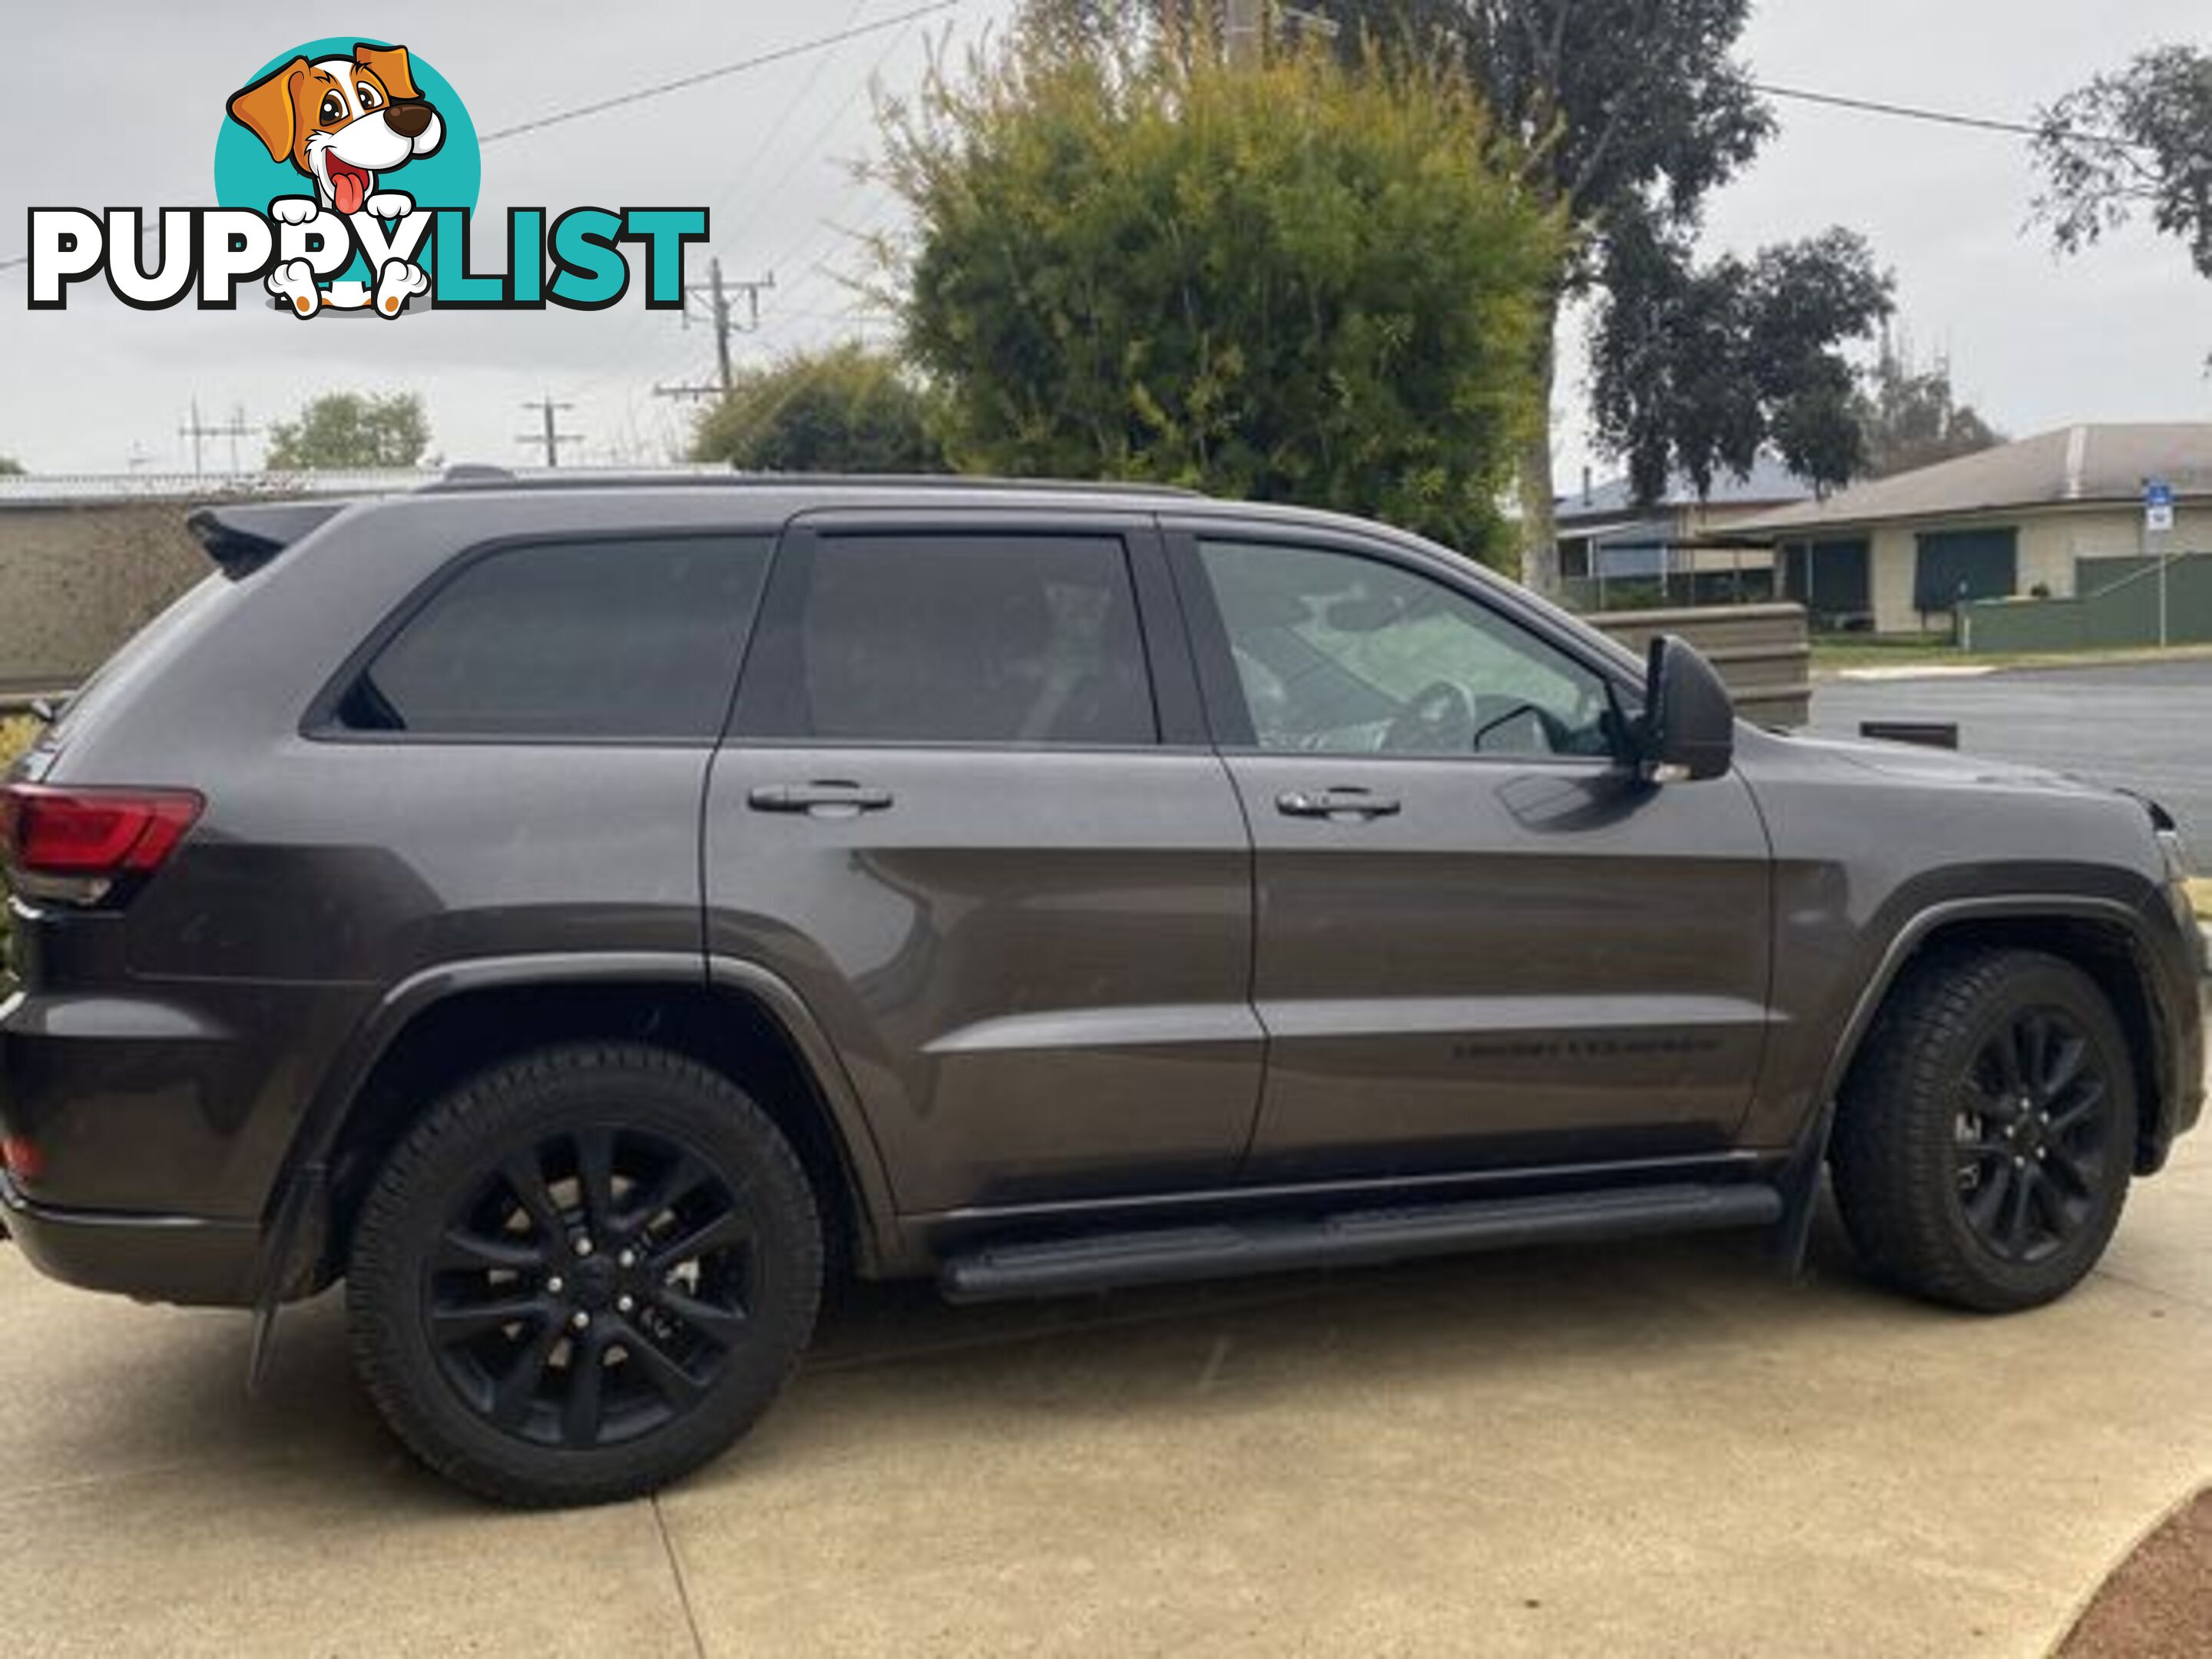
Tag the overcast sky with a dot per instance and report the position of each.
(120, 104)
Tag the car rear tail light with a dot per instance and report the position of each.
(74, 844)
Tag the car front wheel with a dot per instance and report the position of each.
(1985, 1138)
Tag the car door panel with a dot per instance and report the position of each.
(1512, 963)
(1465, 959)
(1034, 958)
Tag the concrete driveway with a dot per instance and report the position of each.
(1624, 1450)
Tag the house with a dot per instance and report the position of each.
(2058, 514)
(1680, 545)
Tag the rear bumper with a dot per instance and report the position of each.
(191, 1259)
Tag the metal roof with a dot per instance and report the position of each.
(1767, 482)
(2069, 465)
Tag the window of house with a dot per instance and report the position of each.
(1956, 565)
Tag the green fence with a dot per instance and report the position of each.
(2118, 605)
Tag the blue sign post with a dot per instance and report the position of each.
(2158, 520)
(2158, 506)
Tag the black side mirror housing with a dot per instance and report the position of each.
(1689, 719)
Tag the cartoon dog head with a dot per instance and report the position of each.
(341, 121)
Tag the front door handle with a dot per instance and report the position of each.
(1339, 804)
(824, 798)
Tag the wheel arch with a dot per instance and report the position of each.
(2103, 938)
(442, 1025)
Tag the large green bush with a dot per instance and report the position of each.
(1295, 283)
(846, 410)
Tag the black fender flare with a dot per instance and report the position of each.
(1800, 1181)
(294, 1216)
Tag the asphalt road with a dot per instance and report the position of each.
(2145, 727)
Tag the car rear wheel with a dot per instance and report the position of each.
(1984, 1140)
(583, 1274)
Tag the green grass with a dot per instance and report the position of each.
(1835, 651)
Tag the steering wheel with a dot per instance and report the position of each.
(1439, 721)
(1497, 712)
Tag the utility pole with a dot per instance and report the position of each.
(236, 429)
(196, 431)
(721, 314)
(549, 437)
(1245, 36)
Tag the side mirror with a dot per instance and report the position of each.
(1689, 721)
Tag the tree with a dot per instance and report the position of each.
(1297, 284)
(10, 467)
(348, 429)
(2138, 139)
(1697, 369)
(1910, 417)
(846, 410)
(1629, 112)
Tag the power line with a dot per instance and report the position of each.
(777, 56)
(799, 96)
(781, 54)
(1941, 117)
(1798, 95)
(757, 152)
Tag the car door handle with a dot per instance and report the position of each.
(1334, 804)
(824, 798)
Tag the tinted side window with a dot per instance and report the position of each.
(1014, 639)
(1339, 655)
(586, 639)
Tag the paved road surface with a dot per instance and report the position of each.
(2146, 726)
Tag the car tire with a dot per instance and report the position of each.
(1985, 1136)
(582, 1274)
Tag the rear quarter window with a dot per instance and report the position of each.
(615, 638)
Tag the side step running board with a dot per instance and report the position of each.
(1167, 1254)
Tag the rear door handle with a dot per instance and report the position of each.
(824, 798)
(1334, 804)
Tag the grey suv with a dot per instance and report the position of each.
(586, 917)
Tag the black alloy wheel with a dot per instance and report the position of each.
(592, 1288)
(1986, 1133)
(2035, 1130)
(583, 1274)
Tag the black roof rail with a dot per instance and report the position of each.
(241, 535)
(462, 472)
(482, 476)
